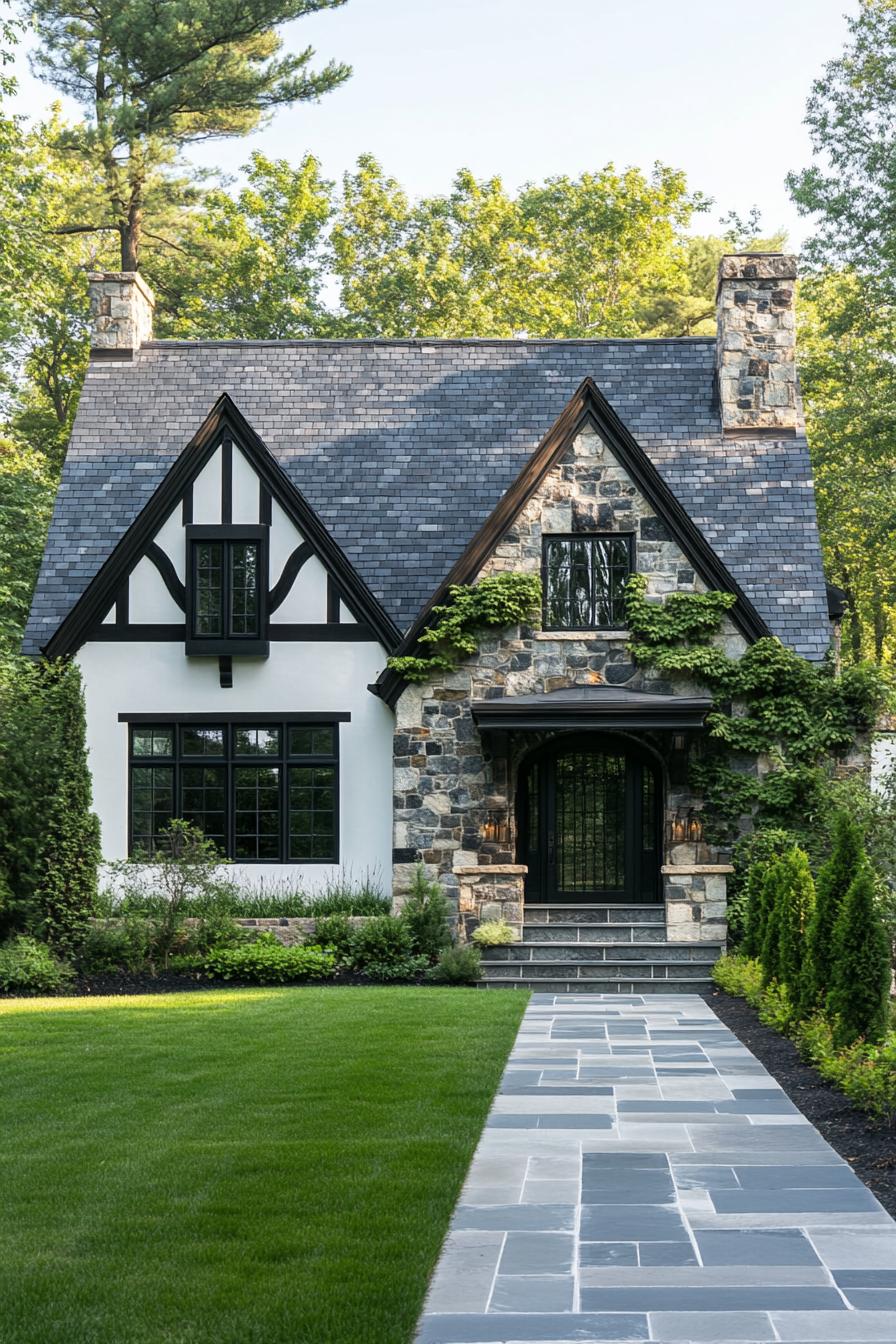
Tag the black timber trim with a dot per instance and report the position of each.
(333, 616)
(216, 645)
(227, 481)
(290, 573)
(225, 672)
(341, 716)
(588, 407)
(276, 634)
(504, 715)
(224, 420)
(168, 573)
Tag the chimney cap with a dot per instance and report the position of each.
(757, 266)
(121, 310)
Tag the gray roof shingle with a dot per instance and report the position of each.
(405, 447)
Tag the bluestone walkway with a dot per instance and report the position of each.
(641, 1177)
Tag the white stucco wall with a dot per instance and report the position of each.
(156, 678)
(883, 762)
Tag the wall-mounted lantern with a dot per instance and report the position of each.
(496, 830)
(687, 827)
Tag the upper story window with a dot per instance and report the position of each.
(228, 581)
(584, 581)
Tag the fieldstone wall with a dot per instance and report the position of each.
(121, 309)
(757, 343)
(447, 780)
(696, 903)
(488, 893)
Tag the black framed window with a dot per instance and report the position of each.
(264, 791)
(226, 594)
(584, 579)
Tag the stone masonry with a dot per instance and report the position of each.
(121, 309)
(448, 781)
(757, 343)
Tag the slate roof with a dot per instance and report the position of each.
(405, 447)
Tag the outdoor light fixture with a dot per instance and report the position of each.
(496, 829)
(687, 826)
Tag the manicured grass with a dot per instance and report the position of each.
(238, 1167)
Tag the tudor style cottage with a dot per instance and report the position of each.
(245, 531)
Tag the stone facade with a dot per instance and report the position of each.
(487, 893)
(695, 902)
(757, 343)
(121, 309)
(448, 781)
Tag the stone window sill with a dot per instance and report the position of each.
(580, 635)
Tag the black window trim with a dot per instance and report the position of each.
(601, 535)
(216, 646)
(230, 761)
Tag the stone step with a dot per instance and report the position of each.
(695, 985)
(662, 953)
(595, 914)
(593, 933)
(596, 970)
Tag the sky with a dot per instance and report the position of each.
(527, 89)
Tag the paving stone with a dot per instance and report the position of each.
(635, 1187)
(825, 1327)
(631, 1222)
(796, 1178)
(653, 1253)
(466, 1271)
(872, 1299)
(794, 1201)
(516, 1217)
(756, 1298)
(537, 1253)
(856, 1250)
(697, 1327)
(751, 1246)
(608, 1253)
(568, 1328)
(533, 1292)
(865, 1278)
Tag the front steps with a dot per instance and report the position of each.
(601, 949)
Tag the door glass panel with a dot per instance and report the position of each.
(590, 822)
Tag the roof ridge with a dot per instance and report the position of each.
(413, 341)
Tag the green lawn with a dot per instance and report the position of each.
(269, 1166)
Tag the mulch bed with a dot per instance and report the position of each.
(868, 1147)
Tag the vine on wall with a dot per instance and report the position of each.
(494, 603)
(770, 702)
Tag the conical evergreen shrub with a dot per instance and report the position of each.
(859, 994)
(796, 903)
(760, 851)
(771, 900)
(833, 882)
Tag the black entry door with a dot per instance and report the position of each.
(588, 824)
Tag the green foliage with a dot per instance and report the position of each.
(26, 501)
(458, 965)
(121, 945)
(426, 914)
(769, 702)
(49, 838)
(265, 961)
(495, 602)
(833, 882)
(493, 933)
(866, 1074)
(401, 969)
(180, 877)
(382, 941)
(776, 1008)
(747, 909)
(794, 903)
(740, 976)
(151, 79)
(858, 998)
(335, 933)
(29, 967)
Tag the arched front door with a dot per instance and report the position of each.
(589, 822)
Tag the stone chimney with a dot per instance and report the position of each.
(121, 307)
(756, 345)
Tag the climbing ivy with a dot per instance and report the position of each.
(769, 702)
(454, 630)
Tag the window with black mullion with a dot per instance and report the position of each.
(584, 580)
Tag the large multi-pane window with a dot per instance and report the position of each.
(263, 792)
(228, 582)
(584, 581)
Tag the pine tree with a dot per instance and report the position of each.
(759, 851)
(834, 880)
(859, 995)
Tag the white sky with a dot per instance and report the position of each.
(530, 88)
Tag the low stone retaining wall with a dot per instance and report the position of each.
(289, 930)
(487, 892)
(696, 902)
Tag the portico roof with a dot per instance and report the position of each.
(606, 707)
